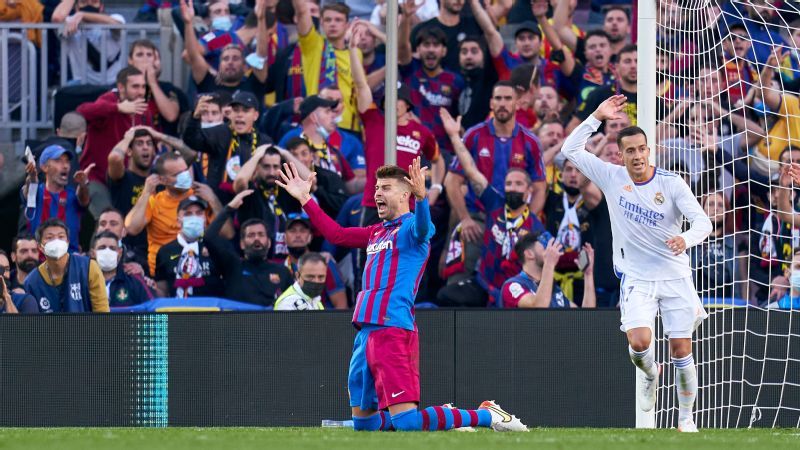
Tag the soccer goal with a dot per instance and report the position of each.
(726, 76)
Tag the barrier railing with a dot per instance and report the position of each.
(26, 105)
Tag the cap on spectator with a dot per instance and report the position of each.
(192, 200)
(528, 25)
(298, 217)
(313, 102)
(244, 98)
(53, 152)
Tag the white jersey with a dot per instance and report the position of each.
(643, 215)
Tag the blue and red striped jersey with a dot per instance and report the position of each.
(397, 252)
(498, 262)
(494, 155)
(431, 93)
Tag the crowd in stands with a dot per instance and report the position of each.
(177, 186)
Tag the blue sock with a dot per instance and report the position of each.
(435, 418)
(377, 422)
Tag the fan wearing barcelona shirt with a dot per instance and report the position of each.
(384, 367)
(432, 86)
(508, 218)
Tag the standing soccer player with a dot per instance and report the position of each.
(384, 368)
(647, 206)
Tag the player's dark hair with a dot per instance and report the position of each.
(618, 8)
(788, 149)
(107, 210)
(141, 132)
(628, 132)
(473, 38)
(393, 172)
(504, 83)
(525, 242)
(310, 257)
(50, 223)
(519, 170)
(21, 237)
(125, 73)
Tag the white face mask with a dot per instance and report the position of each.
(107, 259)
(210, 124)
(56, 248)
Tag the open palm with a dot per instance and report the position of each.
(292, 183)
(611, 108)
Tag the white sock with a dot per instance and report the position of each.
(645, 361)
(686, 381)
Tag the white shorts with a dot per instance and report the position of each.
(681, 308)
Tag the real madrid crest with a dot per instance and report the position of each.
(659, 199)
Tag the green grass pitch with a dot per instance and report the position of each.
(336, 439)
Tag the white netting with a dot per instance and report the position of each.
(723, 122)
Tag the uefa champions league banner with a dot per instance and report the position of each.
(553, 368)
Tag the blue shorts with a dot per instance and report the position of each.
(384, 368)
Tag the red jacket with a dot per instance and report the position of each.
(105, 127)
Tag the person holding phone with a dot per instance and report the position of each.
(535, 286)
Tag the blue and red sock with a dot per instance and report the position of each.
(378, 422)
(437, 418)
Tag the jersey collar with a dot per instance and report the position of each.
(396, 222)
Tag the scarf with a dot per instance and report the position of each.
(328, 74)
(295, 84)
(454, 261)
(569, 231)
(768, 243)
(189, 271)
(511, 235)
(233, 161)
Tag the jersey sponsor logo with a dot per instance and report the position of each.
(436, 99)
(484, 153)
(75, 291)
(640, 214)
(516, 289)
(379, 247)
(408, 144)
(659, 199)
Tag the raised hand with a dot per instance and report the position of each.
(451, 126)
(417, 180)
(553, 252)
(187, 11)
(138, 106)
(260, 9)
(151, 183)
(292, 183)
(794, 172)
(590, 254)
(539, 8)
(82, 176)
(202, 105)
(611, 108)
(239, 199)
(204, 191)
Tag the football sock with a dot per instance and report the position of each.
(435, 418)
(686, 377)
(644, 360)
(377, 422)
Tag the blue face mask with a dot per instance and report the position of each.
(794, 278)
(222, 23)
(323, 132)
(183, 180)
(192, 227)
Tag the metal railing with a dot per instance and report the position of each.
(26, 104)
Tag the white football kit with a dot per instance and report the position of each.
(643, 217)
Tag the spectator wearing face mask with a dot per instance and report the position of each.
(252, 279)
(306, 292)
(65, 282)
(184, 266)
(157, 212)
(122, 289)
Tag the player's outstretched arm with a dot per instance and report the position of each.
(423, 228)
(300, 189)
(700, 226)
(574, 147)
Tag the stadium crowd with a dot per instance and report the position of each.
(178, 187)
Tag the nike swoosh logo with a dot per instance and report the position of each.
(174, 257)
(353, 212)
(506, 417)
(395, 394)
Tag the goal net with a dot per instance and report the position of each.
(727, 117)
